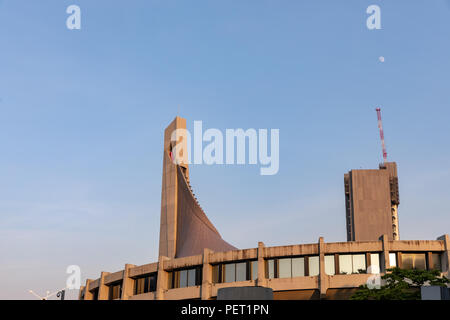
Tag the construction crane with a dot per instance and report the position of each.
(380, 126)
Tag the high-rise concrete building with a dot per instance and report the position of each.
(371, 201)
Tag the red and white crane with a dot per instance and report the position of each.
(380, 126)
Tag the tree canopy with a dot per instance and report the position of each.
(401, 284)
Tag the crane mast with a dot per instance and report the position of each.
(380, 126)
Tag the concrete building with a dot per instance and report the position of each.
(195, 262)
(371, 201)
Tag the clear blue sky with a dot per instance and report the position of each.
(82, 115)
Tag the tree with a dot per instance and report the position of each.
(401, 285)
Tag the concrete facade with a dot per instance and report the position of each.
(321, 286)
(371, 201)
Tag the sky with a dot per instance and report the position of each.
(82, 115)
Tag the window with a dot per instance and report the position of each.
(345, 264)
(359, 263)
(392, 260)
(145, 284)
(231, 272)
(374, 263)
(217, 273)
(298, 267)
(241, 271)
(314, 266)
(285, 268)
(254, 269)
(352, 263)
(271, 268)
(436, 258)
(191, 277)
(291, 267)
(414, 261)
(185, 278)
(329, 265)
(115, 291)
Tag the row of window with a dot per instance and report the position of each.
(417, 261)
(309, 265)
(231, 272)
(279, 268)
(292, 267)
(185, 278)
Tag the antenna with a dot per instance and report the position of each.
(380, 126)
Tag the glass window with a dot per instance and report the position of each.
(241, 271)
(314, 266)
(345, 264)
(298, 267)
(284, 268)
(183, 279)
(436, 257)
(271, 269)
(392, 260)
(359, 263)
(254, 268)
(115, 291)
(153, 279)
(145, 284)
(413, 261)
(329, 265)
(374, 263)
(216, 273)
(230, 272)
(191, 277)
(139, 286)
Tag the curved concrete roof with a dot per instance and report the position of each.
(185, 229)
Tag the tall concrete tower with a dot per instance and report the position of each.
(185, 230)
(371, 201)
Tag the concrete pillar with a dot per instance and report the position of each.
(127, 283)
(162, 283)
(261, 281)
(88, 294)
(103, 289)
(323, 278)
(385, 264)
(445, 258)
(207, 276)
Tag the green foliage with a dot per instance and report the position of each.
(401, 285)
